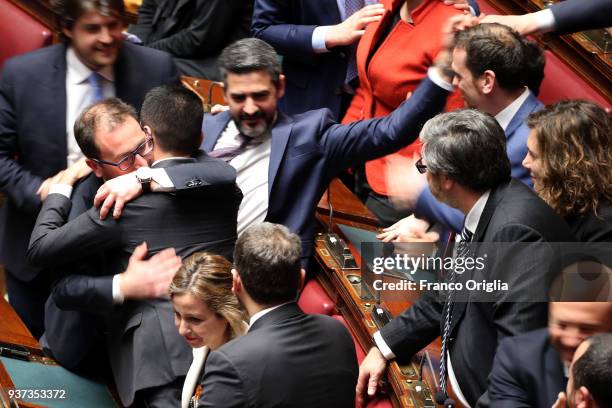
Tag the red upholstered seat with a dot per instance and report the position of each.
(19, 32)
(378, 401)
(314, 300)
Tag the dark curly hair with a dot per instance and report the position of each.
(574, 140)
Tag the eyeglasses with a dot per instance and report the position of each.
(422, 168)
(127, 162)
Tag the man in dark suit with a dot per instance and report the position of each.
(147, 356)
(531, 369)
(499, 73)
(41, 94)
(193, 32)
(467, 167)
(281, 360)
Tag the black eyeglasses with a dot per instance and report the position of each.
(422, 168)
(127, 162)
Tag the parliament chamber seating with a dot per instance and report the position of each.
(20, 32)
(314, 299)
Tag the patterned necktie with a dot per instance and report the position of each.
(351, 7)
(461, 252)
(95, 81)
(229, 153)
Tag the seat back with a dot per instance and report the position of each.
(314, 299)
(20, 32)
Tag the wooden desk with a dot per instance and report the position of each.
(210, 92)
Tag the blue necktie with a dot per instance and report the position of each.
(95, 81)
(461, 252)
(350, 8)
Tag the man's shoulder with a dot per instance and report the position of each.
(35, 62)
(523, 343)
(145, 55)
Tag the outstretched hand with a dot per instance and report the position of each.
(353, 28)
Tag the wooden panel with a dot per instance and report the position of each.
(12, 330)
(345, 205)
(210, 92)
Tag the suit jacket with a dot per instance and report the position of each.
(313, 80)
(527, 372)
(430, 208)
(33, 131)
(513, 214)
(309, 149)
(283, 361)
(194, 30)
(145, 348)
(579, 15)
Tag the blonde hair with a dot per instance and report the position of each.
(208, 277)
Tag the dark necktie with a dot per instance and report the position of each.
(95, 81)
(461, 252)
(351, 7)
(229, 153)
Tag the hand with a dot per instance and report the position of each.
(371, 371)
(561, 401)
(353, 28)
(405, 184)
(462, 5)
(451, 27)
(74, 173)
(408, 229)
(218, 109)
(146, 279)
(525, 25)
(117, 192)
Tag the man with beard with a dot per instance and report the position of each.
(41, 94)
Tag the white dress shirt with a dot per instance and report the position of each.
(504, 117)
(193, 375)
(79, 95)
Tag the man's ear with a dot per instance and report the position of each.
(302, 279)
(583, 398)
(67, 32)
(236, 282)
(280, 91)
(487, 82)
(95, 167)
(446, 182)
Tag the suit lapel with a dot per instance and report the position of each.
(57, 109)
(530, 105)
(494, 198)
(330, 8)
(280, 136)
(554, 378)
(212, 128)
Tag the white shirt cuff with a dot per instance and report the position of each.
(63, 189)
(117, 295)
(318, 39)
(383, 347)
(436, 78)
(161, 178)
(545, 19)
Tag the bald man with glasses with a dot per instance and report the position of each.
(114, 143)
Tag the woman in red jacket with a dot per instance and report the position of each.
(392, 58)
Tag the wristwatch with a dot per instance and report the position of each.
(144, 175)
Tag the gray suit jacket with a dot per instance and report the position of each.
(144, 346)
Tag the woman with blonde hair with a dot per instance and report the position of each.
(570, 160)
(206, 313)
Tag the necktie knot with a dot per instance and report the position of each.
(466, 235)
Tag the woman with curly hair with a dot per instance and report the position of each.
(206, 312)
(570, 160)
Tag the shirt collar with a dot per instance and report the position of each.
(264, 312)
(505, 116)
(171, 158)
(79, 72)
(473, 216)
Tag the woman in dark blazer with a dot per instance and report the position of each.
(206, 313)
(570, 160)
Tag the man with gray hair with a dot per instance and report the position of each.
(281, 360)
(464, 157)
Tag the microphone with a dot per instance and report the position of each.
(442, 399)
(449, 403)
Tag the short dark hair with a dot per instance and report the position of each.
(594, 371)
(108, 113)
(267, 257)
(469, 146)
(249, 55)
(67, 12)
(516, 62)
(175, 115)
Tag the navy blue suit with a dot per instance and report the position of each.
(516, 146)
(309, 149)
(313, 80)
(33, 143)
(527, 372)
(579, 15)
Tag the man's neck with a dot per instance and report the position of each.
(465, 200)
(161, 155)
(500, 99)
